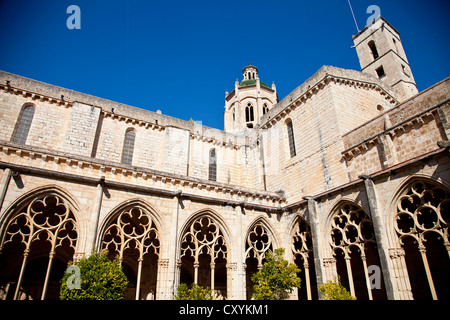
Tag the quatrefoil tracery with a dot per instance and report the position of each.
(258, 243)
(351, 229)
(301, 240)
(424, 208)
(47, 218)
(204, 237)
(132, 229)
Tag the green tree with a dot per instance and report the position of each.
(196, 292)
(101, 279)
(277, 278)
(335, 291)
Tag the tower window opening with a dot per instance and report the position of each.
(265, 108)
(249, 115)
(380, 72)
(373, 49)
(395, 45)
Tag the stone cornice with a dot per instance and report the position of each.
(133, 121)
(7, 88)
(40, 159)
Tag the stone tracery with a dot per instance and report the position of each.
(202, 244)
(421, 224)
(353, 240)
(45, 226)
(301, 246)
(133, 235)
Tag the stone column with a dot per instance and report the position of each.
(97, 210)
(380, 236)
(172, 274)
(239, 271)
(316, 240)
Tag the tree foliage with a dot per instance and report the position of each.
(101, 279)
(196, 292)
(335, 291)
(277, 278)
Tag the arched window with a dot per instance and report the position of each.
(421, 223)
(303, 256)
(204, 253)
(23, 125)
(373, 49)
(132, 236)
(354, 247)
(212, 172)
(258, 242)
(291, 141)
(249, 115)
(265, 108)
(128, 146)
(38, 242)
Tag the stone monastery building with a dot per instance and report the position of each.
(349, 173)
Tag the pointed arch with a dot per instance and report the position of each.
(128, 146)
(260, 238)
(23, 124)
(291, 138)
(205, 252)
(301, 249)
(134, 202)
(212, 165)
(420, 215)
(132, 232)
(272, 238)
(223, 225)
(401, 189)
(39, 232)
(353, 243)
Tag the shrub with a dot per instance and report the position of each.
(335, 291)
(196, 292)
(277, 278)
(101, 279)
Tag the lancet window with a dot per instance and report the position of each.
(291, 140)
(301, 247)
(249, 115)
(128, 147)
(212, 166)
(133, 237)
(258, 242)
(23, 124)
(36, 244)
(421, 223)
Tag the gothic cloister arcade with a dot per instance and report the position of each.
(43, 230)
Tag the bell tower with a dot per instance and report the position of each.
(380, 52)
(248, 102)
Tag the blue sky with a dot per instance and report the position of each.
(181, 56)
